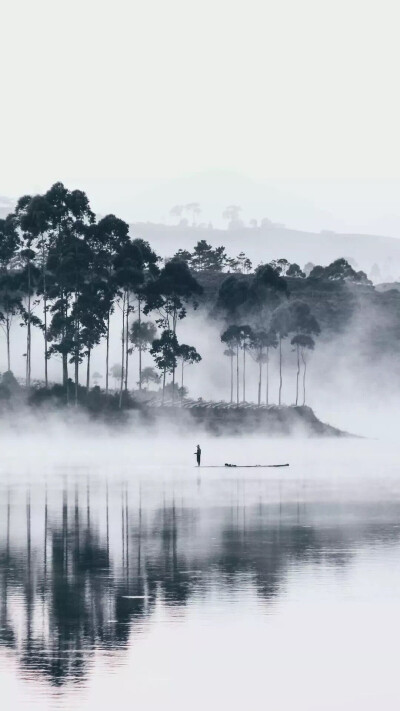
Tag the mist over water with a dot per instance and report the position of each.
(128, 572)
(348, 386)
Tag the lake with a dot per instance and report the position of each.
(128, 576)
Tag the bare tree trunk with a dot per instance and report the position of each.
(76, 381)
(173, 369)
(46, 358)
(140, 345)
(28, 334)
(183, 365)
(65, 355)
(122, 352)
(107, 524)
(28, 357)
(107, 348)
(237, 374)
(304, 377)
(127, 343)
(76, 361)
(45, 540)
(280, 370)
(28, 348)
(267, 388)
(297, 374)
(244, 373)
(259, 382)
(127, 532)
(65, 369)
(231, 379)
(8, 326)
(88, 371)
(123, 530)
(163, 387)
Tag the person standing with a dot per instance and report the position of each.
(198, 455)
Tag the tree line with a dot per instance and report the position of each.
(271, 319)
(65, 272)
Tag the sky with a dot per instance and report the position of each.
(122, 98)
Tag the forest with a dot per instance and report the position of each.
(66, 273)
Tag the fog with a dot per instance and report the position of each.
(119, 559)
(352, 381)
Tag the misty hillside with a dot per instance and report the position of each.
(269, 240)
(388, 286)
(355, 312)
(272, 241)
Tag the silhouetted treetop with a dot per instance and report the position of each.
(339, 270)
(174, 287)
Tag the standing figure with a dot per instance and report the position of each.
(198, 455)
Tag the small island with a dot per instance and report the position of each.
(84, 289)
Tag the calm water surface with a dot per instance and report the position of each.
(127, 576)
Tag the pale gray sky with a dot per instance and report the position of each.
(298, 95)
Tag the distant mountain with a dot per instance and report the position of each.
(267, 243)
(216, 190)
(391, 286)
(271, 241)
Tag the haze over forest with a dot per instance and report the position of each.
(235, 315)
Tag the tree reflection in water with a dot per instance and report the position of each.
(82, 573)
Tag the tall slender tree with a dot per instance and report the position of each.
(238, 338)
(35, 219)
(281, 324)
(205, 258)
(230, 353)
(150, 269)
(304, 323)
(141, 336)
(302, 342)
(169, 295)
(129, 276)
(246, 338)
(165, 351)
(10, 295)
(68, 262)
(271, 342)
(28, 275)
(187, 355)
(231, 337)
(149, 375)
(261, 342)
(112, 235)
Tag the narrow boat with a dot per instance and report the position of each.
(244, 466)
(255, 466)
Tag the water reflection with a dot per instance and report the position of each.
(84, 564)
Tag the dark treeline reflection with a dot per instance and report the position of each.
(83, 568)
